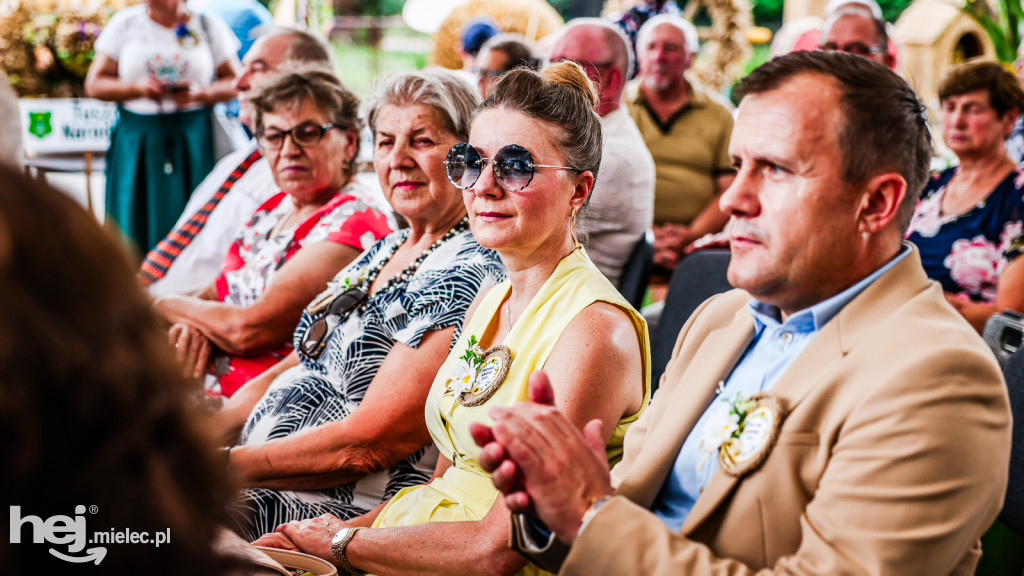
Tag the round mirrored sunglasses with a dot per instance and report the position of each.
(513, 167)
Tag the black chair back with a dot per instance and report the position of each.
(636, 274)
(1013, 507)
(698, 277)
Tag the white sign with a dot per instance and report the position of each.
(66, 125)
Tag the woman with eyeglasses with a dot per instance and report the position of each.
(337, 427)
(307, 125)
(530, 163)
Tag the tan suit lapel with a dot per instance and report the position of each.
(819, 361)
(713, 360)
(820, 356)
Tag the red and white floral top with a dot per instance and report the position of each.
(351, 218)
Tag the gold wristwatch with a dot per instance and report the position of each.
(338, 544)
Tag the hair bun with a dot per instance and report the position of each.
(571, 74)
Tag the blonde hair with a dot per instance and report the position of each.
(562, 97)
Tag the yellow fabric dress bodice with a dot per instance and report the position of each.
(465, 491)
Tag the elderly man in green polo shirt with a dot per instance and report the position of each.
(687, 131)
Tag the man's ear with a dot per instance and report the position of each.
(880, 202)
(615, 81)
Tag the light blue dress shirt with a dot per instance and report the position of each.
(774, 347)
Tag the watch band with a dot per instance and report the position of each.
(532, 539)
(339, 553)
(589, 514)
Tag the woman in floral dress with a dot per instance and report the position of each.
(969, 223)
(307, 124)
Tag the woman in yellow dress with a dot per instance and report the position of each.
(533, 154)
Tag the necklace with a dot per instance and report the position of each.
(369, 275)
(508, 312)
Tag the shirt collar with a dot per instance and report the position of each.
(698, 99)
(813, 318)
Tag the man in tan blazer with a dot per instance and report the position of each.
(892, 452)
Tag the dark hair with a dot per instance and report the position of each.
(318, 84)
(91, 405)
(515, 48)
(562, 97)
(1004, 89)
(885, 125)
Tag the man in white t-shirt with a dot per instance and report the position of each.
(198, 263)
(621, 206)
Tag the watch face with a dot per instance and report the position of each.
(340, 536)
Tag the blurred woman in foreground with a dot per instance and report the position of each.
(91, 408)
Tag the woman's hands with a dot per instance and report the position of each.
(193, 349)
(149, 87)
(311, 536)
(541, 461)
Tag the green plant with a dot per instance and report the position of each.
(1002, 26)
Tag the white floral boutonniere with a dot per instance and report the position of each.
(477, 374)
(464, 375)
(742, 432)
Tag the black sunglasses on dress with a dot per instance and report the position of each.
(315, 339)
(513, 167)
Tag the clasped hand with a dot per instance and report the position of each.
(192, 347)
(311, 536)
(542, 463)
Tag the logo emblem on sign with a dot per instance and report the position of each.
(39, 124)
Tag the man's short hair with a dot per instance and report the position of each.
(683, 25)
(516, 49)
(881, 35)
(622, 48)
(303, 46)
(1004, 89)
(885, 125)
(866, 5)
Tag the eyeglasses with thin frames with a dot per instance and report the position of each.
(304, 135)
(856, 48)
(513, 167)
